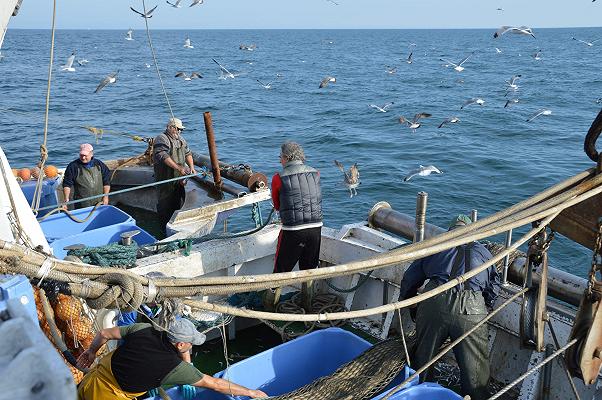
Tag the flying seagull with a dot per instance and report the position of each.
(333, 2)
(390, 70)
(128, 35)
(174, 5)
(195, 2)
(510, 102)
(265, 85)
(458, 67)
(590, 44)
(352, 178)
(69, 64)
(537, 55)
(249, 47)
(422, 171)
(414, 123)
(111, 78)
(383, 108)
(521, 30)
(148, 13)
(1, 56)
(498, 51)
(225, 74)
(474, 100)
(187, 77)
(409, 60)
(326, 81)
(541, 111)
(451, 120)
(82, 61)
(512, 85)
(188, 44)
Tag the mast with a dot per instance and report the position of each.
(8, 8)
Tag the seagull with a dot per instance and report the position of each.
(451, 120)
(111, 78)
(512, 85)
(148, 13)
(500, 9)
(458, 67)
(590, 44)
(1, 56)
(265, 85)
(541, 111)
(128, 35)
(187, 43)
(333, 2)
(187, 77)
(383, 108)
(225, 74)
(174, 5)
(422, 171)
(474, 100)
(537, 55)
(69, 65)
(249, 47)
(82, 61)
(599, 100)
(390, 70)
(195, 2)
(414, 123)
(498, 51)
(510, 102)
(147, 65)
(409, 60)
(326, 81)
(522, 30)
(352, 178)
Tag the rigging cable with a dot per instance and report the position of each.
(37, 195)
(150, 43)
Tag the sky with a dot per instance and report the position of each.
(311, 14)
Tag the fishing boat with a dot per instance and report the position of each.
(543, 332)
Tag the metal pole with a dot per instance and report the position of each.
(547, 375)
(421, 200)
(217, 179)
(507, 258)
(474, 215)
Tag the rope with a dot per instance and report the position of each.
(363, 279)
(37, 196)
(150, 43)
(109, 255)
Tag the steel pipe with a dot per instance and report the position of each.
(561, 285)
(421, 201)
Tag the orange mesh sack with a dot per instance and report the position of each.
(67, 308)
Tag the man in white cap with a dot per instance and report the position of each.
(172, 158)
(86, 177)
(148, 358)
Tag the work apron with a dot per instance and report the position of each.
(177, 152)
(100, 384)
(88, 183)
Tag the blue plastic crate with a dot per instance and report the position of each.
(59, 226)
(426, 391)
(18, 286)
(49, 196)
(293, 364)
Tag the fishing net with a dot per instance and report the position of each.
(359, 379)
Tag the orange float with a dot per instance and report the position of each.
(50, 171)
(15, 172)
(24, 174)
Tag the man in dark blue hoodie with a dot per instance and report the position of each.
(455, 311)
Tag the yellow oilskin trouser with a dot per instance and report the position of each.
(100, 384)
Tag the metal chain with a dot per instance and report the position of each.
(596, 259)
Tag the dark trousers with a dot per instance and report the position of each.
(169, 202)
(451, 314)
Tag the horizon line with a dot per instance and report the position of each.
(298, 29)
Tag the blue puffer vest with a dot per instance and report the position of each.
(300, 196)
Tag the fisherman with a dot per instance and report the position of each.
(455, 311)
(86, 177)
(172, 158)
(297, 196)
(148, 358)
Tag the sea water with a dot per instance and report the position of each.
(490, 160)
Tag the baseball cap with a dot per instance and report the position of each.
(182, 330)
(460, 220)
(86, 149)
(176, 122)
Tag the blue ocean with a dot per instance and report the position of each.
(490, 160)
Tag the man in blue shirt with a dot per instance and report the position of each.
(86, 177)
(455, 311)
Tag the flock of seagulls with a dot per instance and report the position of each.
(351, 177)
